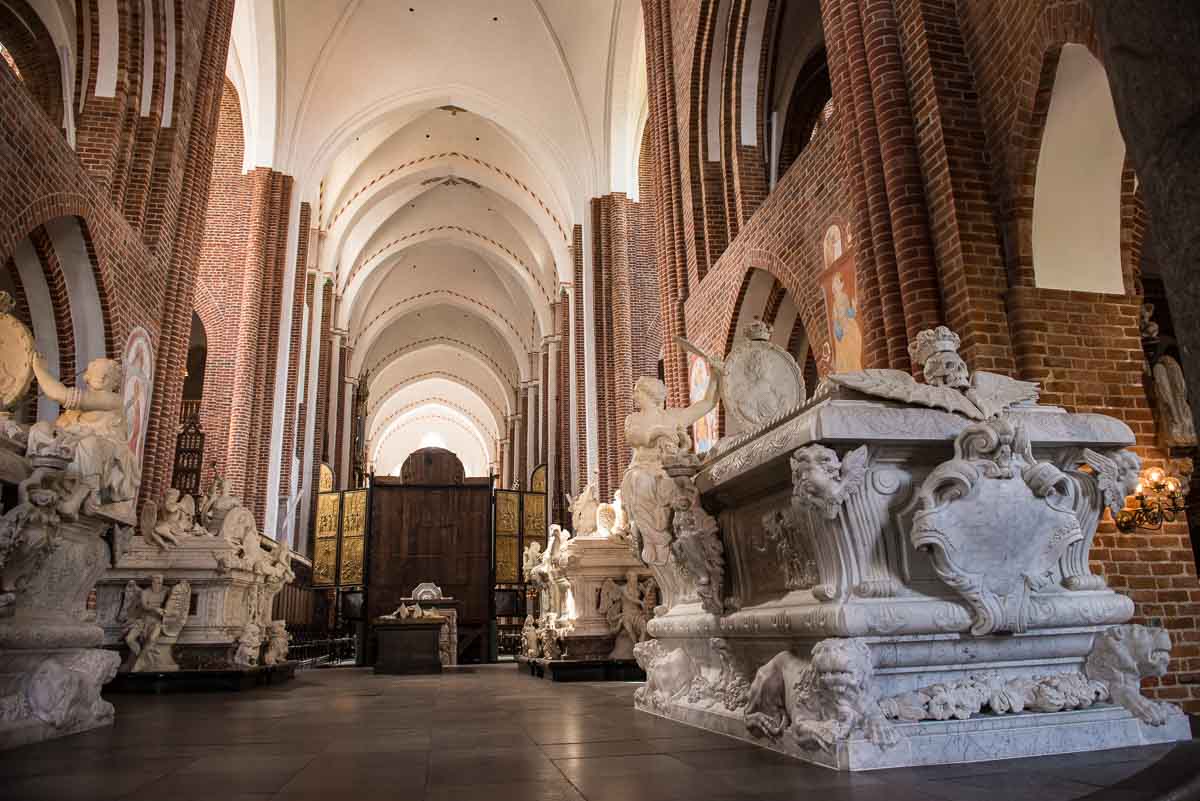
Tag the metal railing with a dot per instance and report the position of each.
(322, 650)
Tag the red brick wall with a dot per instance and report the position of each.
(141, 204)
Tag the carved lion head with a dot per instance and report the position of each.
(1134, 650)
(843, 666)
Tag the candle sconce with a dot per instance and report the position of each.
(1158, 498)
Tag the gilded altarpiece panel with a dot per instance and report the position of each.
(507, 523)
(354, 528)
(325, 556)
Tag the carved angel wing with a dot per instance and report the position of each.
(131, 602)
(1108, 479)
(900, 386)
(854, 470)
(993, 393)
(148, 520)
(188, 504)
(175, 610)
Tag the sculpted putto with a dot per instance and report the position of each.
(163, 526)
(93, 430)
(820, 701)
(154, 619)
(656, 433)
(583, 510)
(823, 482)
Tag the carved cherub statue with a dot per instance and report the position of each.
(93, 430)
(627, 613)
(532, 557)
(247, 646)
(277, 643)
(583, 509)
(948, 383)
(216, 504)
(163, 526)
(821, 481)
(153, 619)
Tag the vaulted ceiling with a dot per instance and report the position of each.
(447, 150)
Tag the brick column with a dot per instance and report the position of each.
(248, 446)
(672, 250)
(552, 345)
(177, 305)
(521, 441)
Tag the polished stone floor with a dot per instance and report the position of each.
(493, 734)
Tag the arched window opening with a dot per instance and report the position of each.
(193, 378)
(1077, 194)
(798, 91)
(808, 108)
(28, 49)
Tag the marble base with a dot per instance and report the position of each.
(53, 693)
(583, 669)
(979, 739)
(408, 648)
(185, 681)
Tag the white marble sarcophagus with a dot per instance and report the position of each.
(896, 573)
(231, 574)
(594, 595)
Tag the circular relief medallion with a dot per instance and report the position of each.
(761, 381)
(16, 350)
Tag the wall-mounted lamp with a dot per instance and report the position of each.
(1159, 498)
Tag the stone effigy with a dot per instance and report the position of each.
(74, 484)
(887, 574)
(231, 572)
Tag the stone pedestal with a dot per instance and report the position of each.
(408, 647)
(889, 584)
(51, 665)
(448, 635)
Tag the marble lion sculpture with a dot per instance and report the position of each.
(821, 701)
(1121, 657)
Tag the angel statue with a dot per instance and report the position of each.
(531, 558)
(92, 430)
(626, 612)
(163, 526)
(153, 619)
(216, 504)
(655, 433)
(583, 509)
(948, 383)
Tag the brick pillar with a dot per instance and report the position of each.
(247, 448)
(321, 416)
(176, 310)
(553, 409)
(299, 342)
(579, 377)
(521, 441)
(672, 250)
(963, 225)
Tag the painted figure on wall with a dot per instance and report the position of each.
(841, 303)
(704, 431)
(138, 363)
